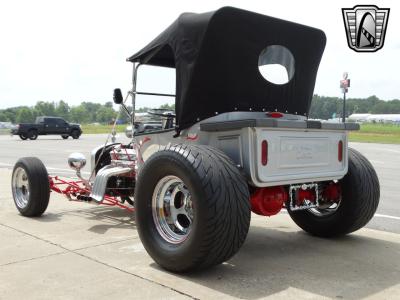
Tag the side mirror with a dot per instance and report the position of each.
(117, 96)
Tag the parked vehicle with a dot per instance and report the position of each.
(141, 128)
(157, 119)
(239, 144)
(47, 126)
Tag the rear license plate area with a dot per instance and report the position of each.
(303, 196)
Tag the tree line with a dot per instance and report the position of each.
(322, 107)
(86, 112)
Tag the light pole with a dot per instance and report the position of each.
(344, 85)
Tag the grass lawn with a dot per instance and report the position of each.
(102, 128)
(369, 133)
(377, 133)
(4, 131)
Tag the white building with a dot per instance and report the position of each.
(375, 118)
(358, 117)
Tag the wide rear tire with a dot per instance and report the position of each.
(30, 186)
(216, 215)
(360, 199)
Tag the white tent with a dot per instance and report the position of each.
(384, 118)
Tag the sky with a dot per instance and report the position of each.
(76, 50)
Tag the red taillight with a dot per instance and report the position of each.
(303, 195)
(332, 192)
(340, 151)
(274, 114)
(264, 153)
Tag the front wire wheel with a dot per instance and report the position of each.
(172, 209)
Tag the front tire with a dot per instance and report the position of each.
(75, 134)
(23, 137)
(30, 186)
(192, 207)
(360, 199)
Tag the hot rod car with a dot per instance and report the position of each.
(237, 144)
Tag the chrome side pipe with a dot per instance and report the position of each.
(100, 182)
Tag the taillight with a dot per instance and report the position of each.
(340, 151)
(274, 114)
(264, 153)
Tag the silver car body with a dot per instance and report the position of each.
(296, 152)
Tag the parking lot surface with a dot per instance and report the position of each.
(81, 251)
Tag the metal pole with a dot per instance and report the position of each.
(344, 107)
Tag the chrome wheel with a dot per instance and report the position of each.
(331, 197)
(172, 209)
(20, 187)
(325, 210)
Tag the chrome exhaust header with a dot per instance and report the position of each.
(100, 182)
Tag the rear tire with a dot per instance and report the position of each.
(65, 136)
(219, 206)
(32, 134)
(75, 134)
(30, 186)
(23, 137)
(360, 199)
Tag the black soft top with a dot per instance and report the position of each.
(216, 56)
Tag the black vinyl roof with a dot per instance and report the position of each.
(216, 56)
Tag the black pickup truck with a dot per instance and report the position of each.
(47, 126)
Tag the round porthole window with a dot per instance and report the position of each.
(276, 64)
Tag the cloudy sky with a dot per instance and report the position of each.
(76, 50)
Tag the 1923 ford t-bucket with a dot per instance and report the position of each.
(237, 144)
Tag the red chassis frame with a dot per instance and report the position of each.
(75, 189)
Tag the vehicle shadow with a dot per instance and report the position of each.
(106, 218)
(272, 261)
(111, 218)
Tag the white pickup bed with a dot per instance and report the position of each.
(296, 157)
(299, 151)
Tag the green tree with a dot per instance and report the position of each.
(91, 109)
(80, 115)
(105, 114)
(168, 106)
(108, 104)
(4, 117)
(62, 110)
(24, 115)
(45, 108)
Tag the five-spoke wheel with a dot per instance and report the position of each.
(172, 209)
